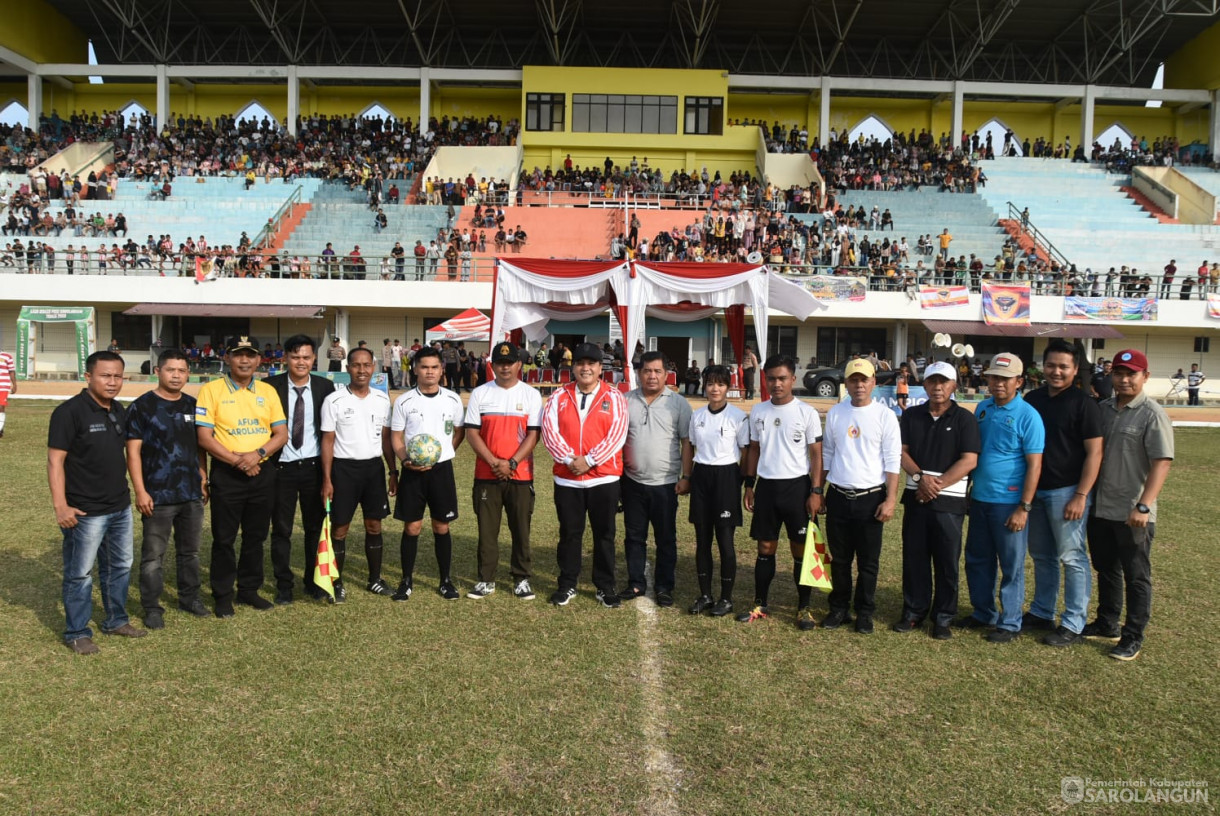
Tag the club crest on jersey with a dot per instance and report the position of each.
(853, 432)
(449, 427)
(982, 413)
(605, 406)
(260, 401)
(777, 422)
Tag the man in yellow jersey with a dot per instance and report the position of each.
(240, 422)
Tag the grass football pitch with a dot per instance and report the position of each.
(504, 706)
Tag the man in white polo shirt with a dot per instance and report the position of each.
(861, 459)
(355, 439)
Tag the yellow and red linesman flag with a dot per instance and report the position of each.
(327, 571)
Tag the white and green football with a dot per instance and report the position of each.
(423, 450)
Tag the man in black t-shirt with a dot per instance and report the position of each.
(940, 447)
(1070, 462)
(1101, 386)
(88, 480)
(170, 481)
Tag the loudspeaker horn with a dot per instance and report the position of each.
(958, 350)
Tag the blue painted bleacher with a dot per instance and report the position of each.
(342, 217)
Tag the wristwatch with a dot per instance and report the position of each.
(512, 464)
(915, 477)
(1143, 508)
(815, 491)
(262, 453)
(1027, 506)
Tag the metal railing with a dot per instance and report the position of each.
(266, 235)
(1040, 238)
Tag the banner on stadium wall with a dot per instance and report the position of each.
(1109, 308)
(1006, 304)
(887, 395)
(1213, 306)
(27, 334)
(937, 297)
(841, 288)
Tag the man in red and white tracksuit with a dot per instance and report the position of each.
(584, 426)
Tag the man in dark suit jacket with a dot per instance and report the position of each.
(299, 465)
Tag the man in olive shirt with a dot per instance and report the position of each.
(87, 475)
(241, 423)
(1137, 452)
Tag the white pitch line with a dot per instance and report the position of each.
(659, 764)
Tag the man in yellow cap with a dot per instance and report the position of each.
(240, 422)
(503, 421)
(861, 459)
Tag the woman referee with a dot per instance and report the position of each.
(719, 433)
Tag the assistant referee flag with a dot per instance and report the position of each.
(326, 572)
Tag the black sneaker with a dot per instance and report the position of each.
(1002, 636)
(224, 608)
(283, 597)
(721, 608)
(340, 592)
(1063, 637)
(905, 625)
(1128, 648)
(758, 613)
(1100, 631)
(562, 597)
(448, 591)
(1031, 621)
(969, 622)
(702, 604)
(941, 632)
(403, 593)
(195, 608)
(864, 625)
(805, 620)
(379, 587)
(836, 619)
(609, 599)
(630, 593)
(154, 619)
(254, 600)
(665, 598)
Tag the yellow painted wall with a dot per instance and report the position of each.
(1194, 65)
(735, 150)
(457, 101)
(786, 108)
(38, 32)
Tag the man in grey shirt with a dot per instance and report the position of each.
(656, 462)
(1136, 454)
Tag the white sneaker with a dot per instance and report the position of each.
(481, 590)
(523, 591)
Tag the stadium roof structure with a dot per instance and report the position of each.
(1106, 42)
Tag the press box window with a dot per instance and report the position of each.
(624, 113)
(544, 111)
(1202, 345)
(705, 115)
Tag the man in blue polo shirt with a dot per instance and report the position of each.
(1002, 494)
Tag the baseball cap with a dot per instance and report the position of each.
(243, 343)
(1132, 359)
(859, 366)
(1004, 364)
(587, 351)
(940, 370)
(504, 353)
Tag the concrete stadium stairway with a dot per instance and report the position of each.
(341, 217)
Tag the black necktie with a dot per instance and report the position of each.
(298, 418)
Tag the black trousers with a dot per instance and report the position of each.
(853, 534)
(572, 505)
(298, 482)
(240, 503)
(1122, 556)
(931, 550)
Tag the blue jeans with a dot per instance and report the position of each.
(988, 544)
(106, 539)
(1053, 540)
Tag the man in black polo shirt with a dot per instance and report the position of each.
(298, 466)
(1070, 462)
(169, 477)
(940, 446)
(88, 479)
(1101, 386)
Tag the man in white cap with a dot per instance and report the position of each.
(940, 447)
(861, 458)
(1002, 494)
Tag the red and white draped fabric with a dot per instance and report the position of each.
(529, 292)
(469, 325)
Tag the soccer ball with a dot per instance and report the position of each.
(423, 450)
